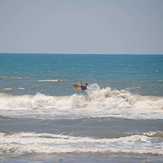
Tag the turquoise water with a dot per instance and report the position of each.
(118, 119)
(141, 74)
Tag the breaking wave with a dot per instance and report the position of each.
(99, 102)
(22, 143)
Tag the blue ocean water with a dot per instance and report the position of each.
(118, 119)
(142, 74)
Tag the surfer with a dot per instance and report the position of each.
(80, 87)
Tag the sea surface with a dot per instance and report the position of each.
(118, 119)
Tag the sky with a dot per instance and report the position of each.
(81, 26)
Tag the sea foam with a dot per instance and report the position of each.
(98, 102)
(22, 143)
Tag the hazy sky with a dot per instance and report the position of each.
(81, 26)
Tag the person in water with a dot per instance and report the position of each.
(79, 87)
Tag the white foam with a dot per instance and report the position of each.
(21, 88)
(51, 80)
(7, 89)
(21, 143)
(103, 102)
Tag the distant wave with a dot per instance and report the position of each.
(21, 88)
(7, 89)
(52, 80)
(10, 78)
(10, 89)
(100, 102)
(22, 143)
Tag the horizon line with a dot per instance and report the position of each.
(84, 53)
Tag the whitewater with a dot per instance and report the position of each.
(28, 143)
(97, 102)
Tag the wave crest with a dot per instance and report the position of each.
(99, 102)
(21, 143)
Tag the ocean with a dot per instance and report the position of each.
(118, 119)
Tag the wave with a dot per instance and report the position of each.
(20, 88)
(52, 81)
(99, 102)
(7, 89)
(10, 78)
(22, 143)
